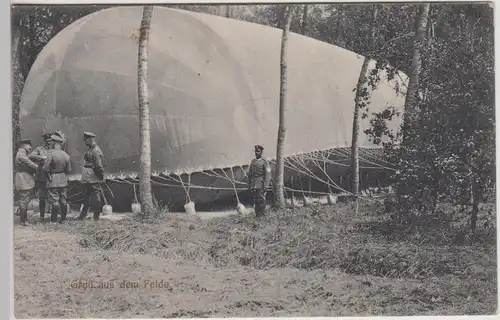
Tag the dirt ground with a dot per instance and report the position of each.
(236, 266)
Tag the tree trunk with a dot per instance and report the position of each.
(17, 89)
(144, 118)
(304, 20)
(435, 200)
(357, 106)
(228, 12)
(411, 114)
(410, 111)
(280, 16)
(471, 21)
(339, 26)
(475, 209)
(28, 51)
(355, 129)
(17, 86)
(280, 161)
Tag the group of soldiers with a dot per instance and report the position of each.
(45, 169)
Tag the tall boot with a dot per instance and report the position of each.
(258, 211)
(97, 207)
(54, 213)
(260, 204)
(23, 213)
(64, 211)
(262, 210)
(42, 208)
(85, 210)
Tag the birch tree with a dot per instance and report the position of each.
(303, 27)
(280, 161)
(416, 64)
(359, 103)
(17, 82)
(144, 114)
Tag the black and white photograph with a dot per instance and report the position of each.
(189, 160)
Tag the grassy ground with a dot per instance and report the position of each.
(305, 262)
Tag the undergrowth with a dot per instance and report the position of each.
(326, 237)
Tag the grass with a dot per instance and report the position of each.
(318, 261)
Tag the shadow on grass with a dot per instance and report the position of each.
(431, 232)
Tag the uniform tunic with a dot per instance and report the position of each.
(25, 168)
(93, 171)
(24, 181)
(259, 174)
(57, 166)
(37, 156)
(92, 177)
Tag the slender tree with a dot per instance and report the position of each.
(416, 64)
(280, 15)
(339, 26)
(144, 117)
(17, 81)
(303, 27)
(411, 114)
(359, 103)
(280, 170)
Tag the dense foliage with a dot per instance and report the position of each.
(448, 154)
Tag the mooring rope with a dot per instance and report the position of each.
(234, 185)
(112, 194)
(185, 190)
(104, 197)
(298, 164)
(135, 194)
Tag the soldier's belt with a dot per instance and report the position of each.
(89, 166)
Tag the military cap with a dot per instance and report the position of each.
(46, 136)
(24, 141)
(259, 148)
(56, 138)
(88, 135)
(58, 133)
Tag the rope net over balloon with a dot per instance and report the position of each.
(311, 175)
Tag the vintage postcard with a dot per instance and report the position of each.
(253, 160)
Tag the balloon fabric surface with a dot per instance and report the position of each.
(213, 89)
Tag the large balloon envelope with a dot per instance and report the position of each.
(213, 87)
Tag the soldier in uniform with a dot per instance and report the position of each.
(56, 167)
(38, 156)
(258, 180)
(24, 179)
(92, 176)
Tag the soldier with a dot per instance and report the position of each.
(92, 176)
(24, 179)
(258, 180)
(56, 167)
(38, 156)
